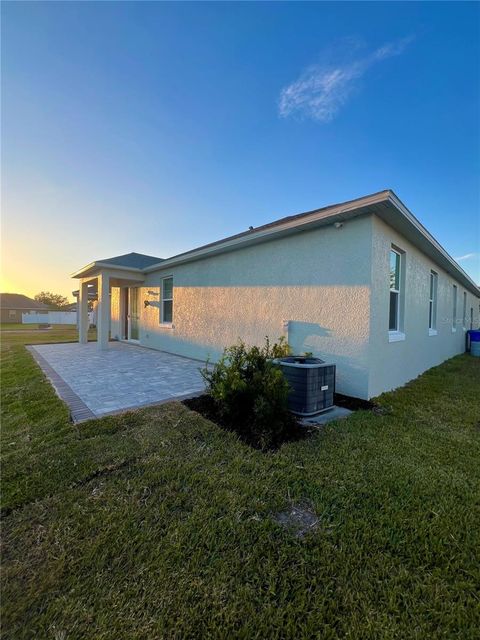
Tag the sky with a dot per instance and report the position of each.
(158, 127)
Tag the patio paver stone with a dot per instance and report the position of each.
(122, 377)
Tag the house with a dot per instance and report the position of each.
(92, 304)
(362, 284)
(12, 306)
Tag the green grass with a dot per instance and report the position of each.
(158, 524)
(56, 333)
(17, 326)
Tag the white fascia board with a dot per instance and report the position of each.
(94, 266)
(330, 214)
(455, 269)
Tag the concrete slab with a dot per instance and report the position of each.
(335, 413)
(124, 376)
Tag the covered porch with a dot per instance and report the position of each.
(102, 285)
(97, 280)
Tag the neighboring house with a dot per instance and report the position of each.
(92, 304)
(14, 304)
(362, 284)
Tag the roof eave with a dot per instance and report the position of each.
(319, 217)
(90, 269)
(440, 255)
(330, 215)
(407, 225)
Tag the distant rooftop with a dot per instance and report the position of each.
(19, 301)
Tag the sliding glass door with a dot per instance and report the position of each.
(134, 308)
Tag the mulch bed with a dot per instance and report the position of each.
(205, 406)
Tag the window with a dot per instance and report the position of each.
(454, 312)
(394, 320)
(464, 316)
(167, 301)
(471, 317)
(432, 304)
(12, 313)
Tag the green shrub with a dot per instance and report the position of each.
(250, 392)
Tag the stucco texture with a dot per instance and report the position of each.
(317, 282)
(326, 290)
(394, 363)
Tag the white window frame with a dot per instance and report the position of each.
(464, 319)
(397, 334)
(432, 303)
(454, 310)
(163, 300)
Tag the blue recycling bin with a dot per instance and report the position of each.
(474, 340)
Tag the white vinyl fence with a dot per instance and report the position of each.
(53, 317)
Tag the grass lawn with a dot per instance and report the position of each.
(17, 326)
(159, 524)
(55, 333)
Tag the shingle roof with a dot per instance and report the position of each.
(385, 204)
(19, 301)
(279, 222)
(135, 260)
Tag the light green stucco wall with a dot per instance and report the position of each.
(330, 285)
(318, 281)
(395, 363)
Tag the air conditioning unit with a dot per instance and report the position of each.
(312, 384)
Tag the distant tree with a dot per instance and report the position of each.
(52, 300)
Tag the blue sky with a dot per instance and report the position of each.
(157, 127)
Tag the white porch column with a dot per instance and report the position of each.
(103, 311)
(83, 313)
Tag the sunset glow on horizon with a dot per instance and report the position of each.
(160, 127)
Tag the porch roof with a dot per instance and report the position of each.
(129, 261)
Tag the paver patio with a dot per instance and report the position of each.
(95, 383)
